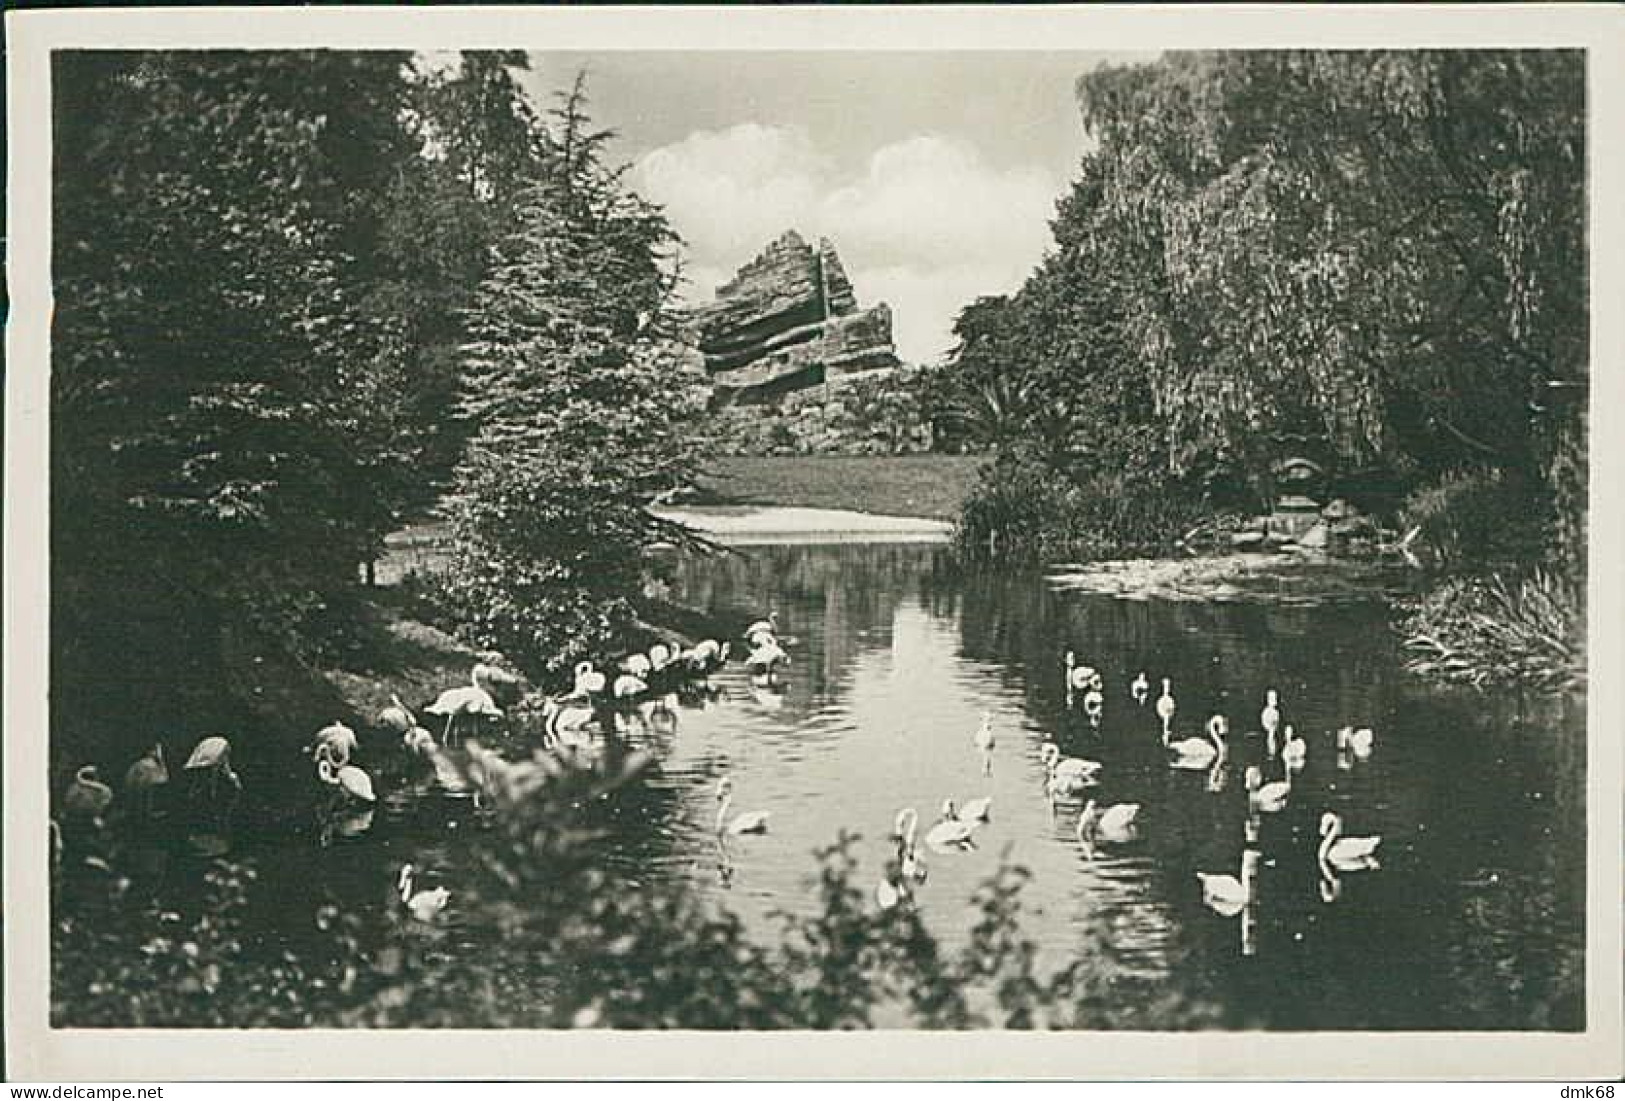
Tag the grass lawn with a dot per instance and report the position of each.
(932, 486)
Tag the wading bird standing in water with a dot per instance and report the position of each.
(471, 699)
(145, 779)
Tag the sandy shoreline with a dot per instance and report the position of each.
(747, 525)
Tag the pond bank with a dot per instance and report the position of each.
(755, 525)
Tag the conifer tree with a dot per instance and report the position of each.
(579, 396)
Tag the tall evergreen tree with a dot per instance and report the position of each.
(579, 395)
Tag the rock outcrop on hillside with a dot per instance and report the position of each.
(789, 321)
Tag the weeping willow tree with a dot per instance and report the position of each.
(1382, 252)
(1377, 258)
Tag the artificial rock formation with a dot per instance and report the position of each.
(786, 322)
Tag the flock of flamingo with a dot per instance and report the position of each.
(646, 680)
(88, 807)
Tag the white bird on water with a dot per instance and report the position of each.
(975, 810)
(424, 906)
(1269, 719)
(1224, 894)
(627, 685)
(1294, 750)
(1346, 854)
(763, 629)
(354, 782)
(1166, 707)
(145, 776)
(339, 740)
(471, 699)
(1114, 824)
(1360, 741)
(1267, 798)
(1140, 688)
(86, 796)
(908, 857)
(1094, 700)
(1066, 775)
(1077, 676)
(1198, 752)
(754, 821)
(950, 834)
(212, 755)
(983, 739)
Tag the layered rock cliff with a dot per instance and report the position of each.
(788, 321)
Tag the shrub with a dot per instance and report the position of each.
(1023, 510)
(1495, 632)
(610, 953)
(1475, 518)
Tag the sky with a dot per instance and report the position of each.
(934, 174)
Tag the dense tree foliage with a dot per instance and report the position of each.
(1377, 259)
(575, 380)
(263, 263)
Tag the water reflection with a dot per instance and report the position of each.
(910, 685)
(900, 657)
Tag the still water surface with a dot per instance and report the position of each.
(1474, 919)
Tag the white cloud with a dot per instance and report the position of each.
(927, 226)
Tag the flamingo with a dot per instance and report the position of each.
(1199, 752)
(213, 755)
(146, 775)
(1269, 719)
(1165, 707)
(1115, 824)
(950, 834)
(424, 906)
(1345, 854)
(1067, 775)
(983, 740)
(1077, 676)
(660, 656)
(763, 629)
(1294, 750)
(1140, 688)
(628, 685)
(636, 665)
(86, 796)
(765, 657)
(353, 781)
(1268, 798)
(1360, 741)
(470, 699)
(339, 740)
(588, 680)
(706, 656)
(397, 717)
(754, 821)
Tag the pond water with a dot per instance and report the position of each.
(1474, 919)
